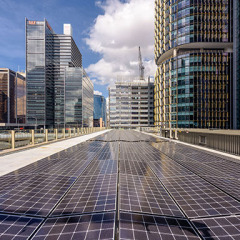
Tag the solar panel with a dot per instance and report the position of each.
(201, 169)
(141, 227)
(102, 167)
(161, 195)
(199, 198)
(89, 194)
(17, 227)
(92, 226)
(229, 185)
(168, 169)
(146, 195)
(135, 168)
(37, 196)
(68, 168)
(219, 228)
(232, 169)
(9, 181)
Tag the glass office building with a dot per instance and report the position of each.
(99, 110)
(194, 55)
(131, 104)
(50, 62)
(87, 101)
(12, 96)
(236, 63)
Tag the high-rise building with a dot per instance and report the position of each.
(99, 110)
(53, 63)
(236, 64)
(131, 104)
(194, 55)
(12, 96)
(87, 101)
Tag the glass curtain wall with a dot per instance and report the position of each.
(193, 51)
(87, 101)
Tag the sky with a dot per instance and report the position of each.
(107, 33)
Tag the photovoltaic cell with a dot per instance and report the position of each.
(37, 196)
(17, 227)
(93, 226)
(222, 228)
(199, 198)
(146, 195)
(89, 194)
(142, 227)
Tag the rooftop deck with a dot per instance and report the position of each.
(121, 184)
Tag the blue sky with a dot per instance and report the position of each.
(89, 20)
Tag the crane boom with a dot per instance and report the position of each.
(141, 67)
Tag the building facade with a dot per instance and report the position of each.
(99, 110)
(12, 97)
(194, 55)
(87, 101)
(236, 64)
(131, 104)
(53, 63)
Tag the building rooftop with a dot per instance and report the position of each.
(123, 184)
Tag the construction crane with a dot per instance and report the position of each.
(141, 67)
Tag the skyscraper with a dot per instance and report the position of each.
(12, 96)
(194, 55)
(99, 110)
(53, 63)
(131, 104)
(236, 64)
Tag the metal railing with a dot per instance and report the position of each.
(224, 140)
(14, 139)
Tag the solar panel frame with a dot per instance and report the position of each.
(18, 227)
(91, 226)
(141, 227)
(37, 196)
(135, 168)
(198, 198)
(89, 194)
(146, 195)
(218, 228)
(101, 167)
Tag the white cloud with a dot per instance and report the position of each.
(97, 92)
(117, 34)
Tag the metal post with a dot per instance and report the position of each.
(56, 133)
(13, 139)
(176, 136)
(78, 133)
(63, 132)
(33, 136)
(46, 135)
(74, 130)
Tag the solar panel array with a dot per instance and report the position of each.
(123, 185)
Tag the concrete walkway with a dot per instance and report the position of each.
(14, 161)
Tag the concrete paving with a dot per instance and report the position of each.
(14, 161)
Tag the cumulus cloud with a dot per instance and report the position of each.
(117, 34)
(97, 93)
